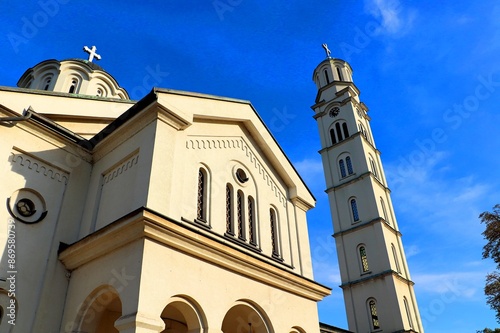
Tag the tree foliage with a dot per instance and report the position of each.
(489, 330)
(492, 250)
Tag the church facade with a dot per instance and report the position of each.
(180, 212)
(175, 213)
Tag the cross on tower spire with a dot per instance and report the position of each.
(327, 50)
(92, 53)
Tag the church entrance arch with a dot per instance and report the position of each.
(246, 317)
(183, 315)
(100, 310)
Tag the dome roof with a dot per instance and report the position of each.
(73, 76)
(92, 65)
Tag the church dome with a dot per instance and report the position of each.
(73, 76)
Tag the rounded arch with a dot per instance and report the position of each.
(339, 131)
(183, 314)
(345, 165)
(73, 82)
(99, 311)
(297, 329)
(246, 314)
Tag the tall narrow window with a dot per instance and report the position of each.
(342, 168)
(72, 88)
(408, 313)
(339, 74)
(364, 259)
(332, 136)
(373, 313)
(326, 77)
(384, 211)
(346, 131)
(47, 83)
(229, 210)
(202, 196)
(374, 168)
(252, 234)
(339, 133)
(396, 261)
(350, 171)
(239, 208)
(354, 209)
(274, 232)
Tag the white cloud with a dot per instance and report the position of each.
(393, 17)
(411, 251)
(311, 171)
(463, 285)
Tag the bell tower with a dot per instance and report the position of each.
(378, 291)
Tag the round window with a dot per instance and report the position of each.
(241, 175)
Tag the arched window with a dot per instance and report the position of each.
(273, 219)
(372, 309)
(46, 83)
(408, 313)
(346, 131)
(339, 132)
(342, 168)
(332, 136)
(327, 79)
(350, 171)
(72, 88)
(229, 210)
(240, 210)
(365, 132)
(396, 261)
(373, 167)
(363, 259)
(339, 74)
(384, 211)
(252, 232)
(354, 210)
(201, 213)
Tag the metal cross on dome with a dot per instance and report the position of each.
(327, 50)
(92, 53)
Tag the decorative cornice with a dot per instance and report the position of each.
(361, 225)
(25, 159)
(240, 144)
(380, 275)
(144, 225)
(121, 167)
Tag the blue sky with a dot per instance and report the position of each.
(428, 72)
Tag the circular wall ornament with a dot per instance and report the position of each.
(27, 205)
(334, 111)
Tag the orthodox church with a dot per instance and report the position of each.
(181, 213)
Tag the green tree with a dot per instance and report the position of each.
(488, 330)
(492, 250)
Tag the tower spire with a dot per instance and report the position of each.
(378, 291)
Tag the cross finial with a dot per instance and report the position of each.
(92, 53)
(327, 50)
